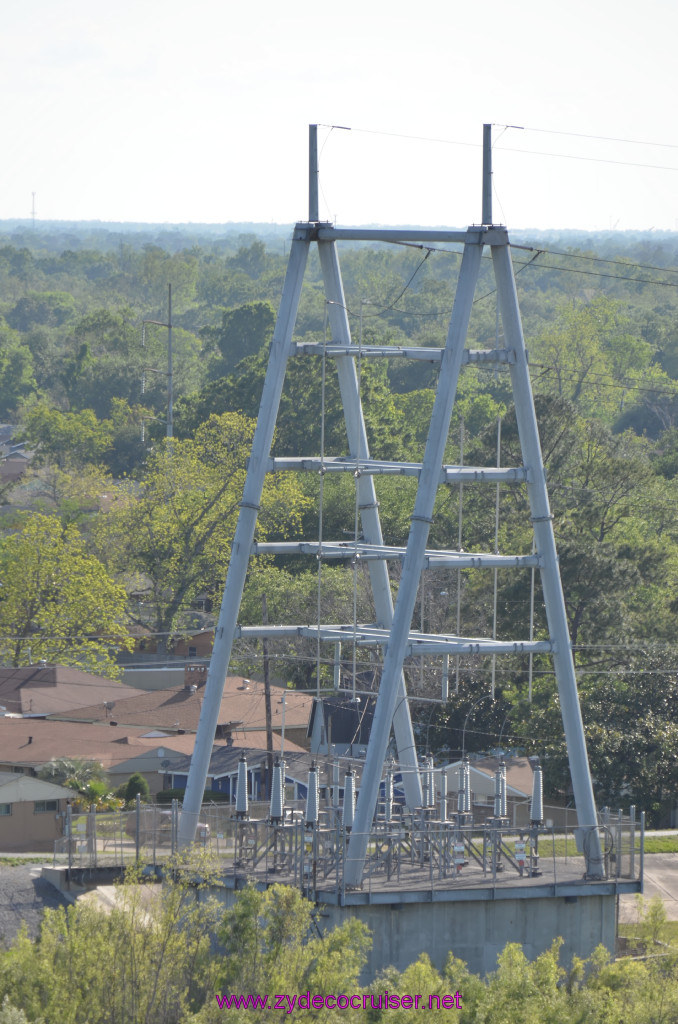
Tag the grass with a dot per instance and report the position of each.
(13, 862)
(566, 846)
(661, 844)
(668, 932)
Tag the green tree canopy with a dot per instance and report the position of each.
(174, 528)
(17, 381)
(57, 602)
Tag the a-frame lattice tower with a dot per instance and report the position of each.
(392, 633)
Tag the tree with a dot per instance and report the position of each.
(135, 786)
(76, 772)
(148, 961)
(301, 413)
(66, 439)
(44, 309)
(269, 947)
(174, 528)
(245, 330)
(16, 372)
(57, 601)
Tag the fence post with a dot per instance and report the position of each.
(69, 836)
(137, 830)
(175, 820)
(92, 835)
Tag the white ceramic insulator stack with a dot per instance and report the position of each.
(277, 791)
(312, 798)
(424, 786)
(502, 808)
(335, 784)
(537, 805)
(443, 795)
(431, 784)
(241, 800)
(460, 789)
(348, 812)
(467, 787)
(388, 796)
(497, 793)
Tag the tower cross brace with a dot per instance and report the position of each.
(392, 709)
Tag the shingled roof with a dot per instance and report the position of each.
(50, 689)
(178, 708)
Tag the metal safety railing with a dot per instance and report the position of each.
(413, 851)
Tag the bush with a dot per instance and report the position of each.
(136, 784)
(166, 796)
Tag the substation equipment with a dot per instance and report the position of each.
(423, 877)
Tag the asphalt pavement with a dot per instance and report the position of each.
(660, 874)
(24, 895)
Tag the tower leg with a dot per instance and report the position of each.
(554, 600)
(244, 536)
(413, 561)
(369, 511)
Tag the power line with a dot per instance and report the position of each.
(598, 259)
(596, 138)
(527, 152)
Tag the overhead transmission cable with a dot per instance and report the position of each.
(528, 152)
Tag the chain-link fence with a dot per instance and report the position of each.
(413, 851)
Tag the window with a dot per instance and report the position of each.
(42, 806)
(5, 809)
(192, 652)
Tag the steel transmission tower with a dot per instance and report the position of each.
(392, 633)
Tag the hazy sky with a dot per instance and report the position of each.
(156, 110)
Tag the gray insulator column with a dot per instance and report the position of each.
(335, 784)
(425, 798)
(443, 795)
(388, 796)
(537, 805)
(348, 812)
(241, 801)
(460, 788)
(277, 792)
(467, 787)
(502, 791)
(312, 797)
(497, 793)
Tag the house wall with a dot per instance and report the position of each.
(24, 830)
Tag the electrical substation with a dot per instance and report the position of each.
(426, 872)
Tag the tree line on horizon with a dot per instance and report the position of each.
(129, 535)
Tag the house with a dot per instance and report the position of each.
(195, 645)
(31, 813)
(43, 689)
(27, 745)
(518, 786)
(222, 773)
(177, 709)
(340, 724)
(14, 459)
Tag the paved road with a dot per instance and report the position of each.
(23, 897)
(661, 879)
